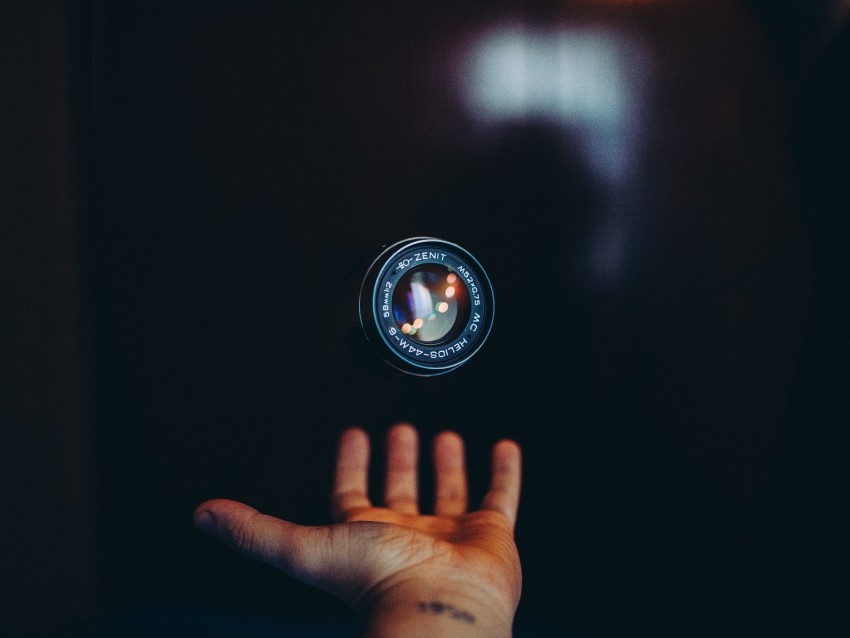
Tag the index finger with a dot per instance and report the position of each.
(503, 496)
(350, 490)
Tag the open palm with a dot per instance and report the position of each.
(373, 551)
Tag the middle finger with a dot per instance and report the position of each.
(400, 489)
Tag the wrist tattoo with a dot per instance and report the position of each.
(439, 608)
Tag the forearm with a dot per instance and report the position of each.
(438, 611)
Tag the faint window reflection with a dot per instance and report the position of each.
(589, 82)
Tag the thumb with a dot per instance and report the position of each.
(302, 552)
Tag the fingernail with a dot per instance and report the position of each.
(204, 520)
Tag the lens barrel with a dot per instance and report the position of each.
(426, 306)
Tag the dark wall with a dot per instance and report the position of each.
(804, 570)
(49, 529)
(665, 256)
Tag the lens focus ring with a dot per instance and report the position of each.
(426, 306)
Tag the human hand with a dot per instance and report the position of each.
(450, 573)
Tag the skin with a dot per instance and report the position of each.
(450, 573)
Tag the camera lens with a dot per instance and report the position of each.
(426, 306)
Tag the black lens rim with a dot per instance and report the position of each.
(378, 322)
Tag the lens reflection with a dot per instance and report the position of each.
(430, 304)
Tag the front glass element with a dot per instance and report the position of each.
(431, 304)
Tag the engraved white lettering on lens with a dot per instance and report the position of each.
(473, 288)
(449, 350)
(386, 305)
(430, 255)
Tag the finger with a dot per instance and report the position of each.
(350, 490)
(400, 490)
(301, 552)
(503, 496)
(452, 490)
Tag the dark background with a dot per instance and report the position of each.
(188, 188)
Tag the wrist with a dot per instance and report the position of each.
(438, 607)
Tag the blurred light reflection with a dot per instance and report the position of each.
(587, 82)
